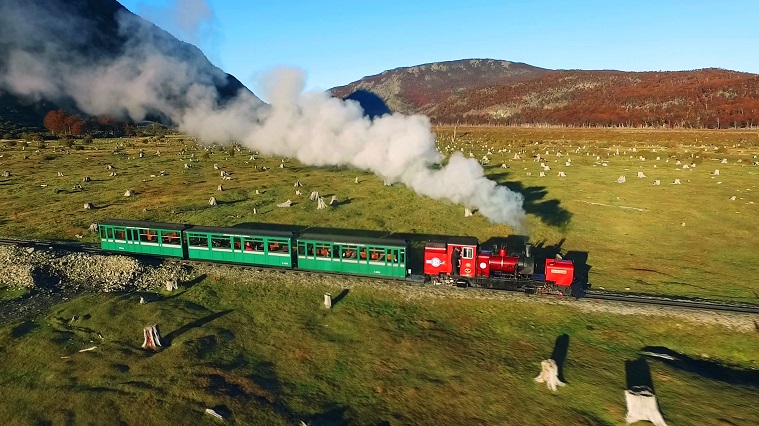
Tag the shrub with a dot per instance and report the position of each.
(11, 143)
(88, 140)
(78, 148)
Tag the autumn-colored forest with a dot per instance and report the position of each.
(707, 98)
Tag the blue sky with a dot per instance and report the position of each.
(339, 41)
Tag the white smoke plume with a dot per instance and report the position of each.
(150, 75)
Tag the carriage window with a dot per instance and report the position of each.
(402, 257)
(221, 243)
(198, 241)
(148, 235)
(349, 252)
(301, 249)
(322, 250)
(376, 253)
(279, 245)
(119, 234)
(467, 253)
(336, 251)
(170, 237)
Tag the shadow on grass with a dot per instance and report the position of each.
(559, 354)
(23, 329)
(706, 369)
(339, 297)
(194, 324)
(638, 375)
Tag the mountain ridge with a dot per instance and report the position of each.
(709, 97)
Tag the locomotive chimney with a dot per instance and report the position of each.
(502, 252)
(528, 249)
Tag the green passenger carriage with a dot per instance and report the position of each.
(353, 255)
(141, 237)
(240, 245)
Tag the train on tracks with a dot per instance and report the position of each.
(451, 260)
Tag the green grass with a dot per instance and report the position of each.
(263, 351)
(713, 255)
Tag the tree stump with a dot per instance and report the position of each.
(172, 285)
(356, 180)
(328, 300)
(212, 201)
(88, 206)
(297, 184)
(128, 193)
(314, 196)
(641, 175)
(562, 174)
(298, 192)
(287, 203)
(642, 406)
(657, 182)
(333, 201)
(220, 188)
(467, 212)
(549, 374)
(676, 182)
(152, 338)
(621, 179)
(320, 204)
(86, 179)
(60, 174)
(93, 228)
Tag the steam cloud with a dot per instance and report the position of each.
(151, 74)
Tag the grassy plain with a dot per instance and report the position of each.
(687, 239)
(263, 351)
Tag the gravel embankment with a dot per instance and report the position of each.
(55, 276)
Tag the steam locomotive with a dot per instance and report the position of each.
(462, 261)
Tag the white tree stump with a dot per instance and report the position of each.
(128, 193)
(88, 206)
(213, 413)
(212, 201)
(93, 228)
(152, 339)
(328, 300)
(621, 179)
(468, 212)
(333, 201)
(724, 161)
(320, 204)
(297, 184)
(216, 167)
(172, 285)
(715, 172)
(298, 192)
(220, 188)
(86, 179)
(60, 174)
(641, 175)
(542, 174)
(287, 203)
(657, 182)
(676, 182)
(356, 179)
(642, 406)
(562, 174)
(549, 374)
(314, 196)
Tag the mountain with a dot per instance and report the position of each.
(95, 57)
(486, 91)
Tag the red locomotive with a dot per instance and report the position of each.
(462, 261)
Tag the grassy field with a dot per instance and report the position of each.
(687, 239)
(263, 351)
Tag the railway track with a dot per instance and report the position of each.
(642, 299)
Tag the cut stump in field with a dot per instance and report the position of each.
(212, 201)
(621, 179)
(314, 196)
(549, 374)
(88, 206)
(152, 338)
(320, 204)
(468, 212)
(333, 201)
(642, 406)
(287, 203)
